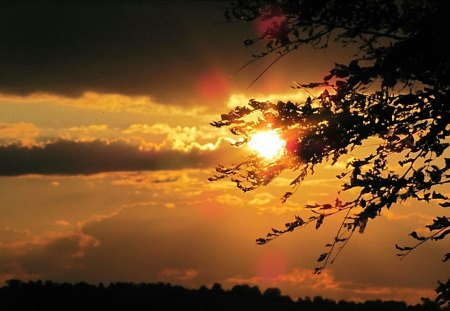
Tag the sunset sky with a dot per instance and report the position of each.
(106, 148)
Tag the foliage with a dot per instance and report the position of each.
(391, 100)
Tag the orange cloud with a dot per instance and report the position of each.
(183, 138)
(23, 132)
(110, 102)
(173, 274)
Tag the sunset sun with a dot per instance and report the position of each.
(268, 144)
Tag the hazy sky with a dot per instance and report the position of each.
(106, 147)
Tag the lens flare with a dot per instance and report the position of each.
(268, 144)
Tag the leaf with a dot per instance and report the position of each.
(439, 196)
(403, 162)
(336, 239)
(327, 206)
(342, 175)
(318, 270)
(322, 257)
(320, 221)
(446, 257)
(286, 196)
(362, 225)
(399, 247)
(363, 203)
(299, 219)
(441, 236)
(439, 223)
(416, 236)
(261, 241)
(447, 163)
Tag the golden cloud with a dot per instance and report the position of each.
(23, 132)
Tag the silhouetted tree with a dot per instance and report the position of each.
(393, 98)
(35, 295)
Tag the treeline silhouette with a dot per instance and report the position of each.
(48, 295)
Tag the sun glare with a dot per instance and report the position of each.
(268, 144)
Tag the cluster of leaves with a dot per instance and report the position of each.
(394, 95)
(329, 126)
(402, 38)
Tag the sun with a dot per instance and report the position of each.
(268, 145)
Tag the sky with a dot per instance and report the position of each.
(106, 150)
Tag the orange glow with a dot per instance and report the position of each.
(212, 210)
(213, 85)
(271, 265)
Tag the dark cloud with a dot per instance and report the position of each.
(178, 51)
(69, 157)
(54, 256)
(128, 47)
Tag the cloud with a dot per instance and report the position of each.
(230, 200)
(8, 235)
(408, 294)
(105, 102)
(176, 52)
(148, 242)
(301, 282)
(154, 180)
(40, 256)
(155, 241)
(70, 157)
(262, 199)
(303, 278)
(137, 242)
(23, 132)
(134, 48)
(183, 138)
(62, 223)
(171, 274)
(89, 129)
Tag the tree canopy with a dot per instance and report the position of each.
(393, 96)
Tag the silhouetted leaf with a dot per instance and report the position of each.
(326, 206)
(399, 248)
(286, 196)
(261, 241)
(322, 257)
(320, 221)
(447, 163)
(416, 236)
(446, 257)
(337, 239)
(440, 236)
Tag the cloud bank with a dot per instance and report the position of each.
(71, 158)
(147, 48)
